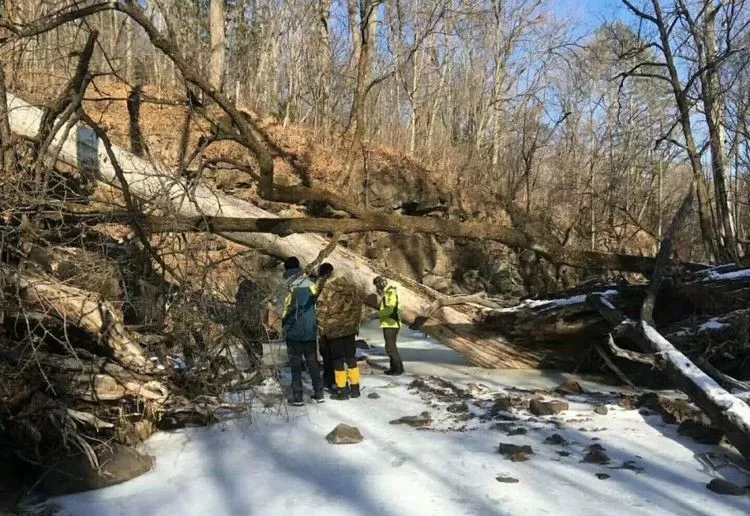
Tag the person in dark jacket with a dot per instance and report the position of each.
(300, 330)
(339, 315)
(250, 311)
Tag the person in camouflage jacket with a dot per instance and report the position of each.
(339, 310)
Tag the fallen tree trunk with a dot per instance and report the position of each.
(59, 383)
(479, 298)
(727, 412)
(681, 304)
(78, 308)
(160, 190)
(698, 317)
(388, 222)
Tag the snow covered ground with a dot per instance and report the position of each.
(278, 461)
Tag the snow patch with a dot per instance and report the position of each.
(713, 324)
(279, 461)
(556, 303)
(713, 275)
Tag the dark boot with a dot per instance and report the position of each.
(390, 367)
(341, 391)
(319, 397)
(353, 376)
(397, 369)
(297, 400)
(340, 394)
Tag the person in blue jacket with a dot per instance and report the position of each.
(299, 322)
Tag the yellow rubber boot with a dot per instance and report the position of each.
(342, 393)
(354, 382)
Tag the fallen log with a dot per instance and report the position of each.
(479, 298)
(76, 307)
(384, 222)
(681, 306)
(727, 412)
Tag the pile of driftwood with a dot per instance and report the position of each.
(77, 385)
(704, 314)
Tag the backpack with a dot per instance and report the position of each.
(300, 322)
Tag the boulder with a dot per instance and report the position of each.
(440, 283)
(602, 476)
(570, 386)
(420, 421)
(540, 407)
(345, 434)
(725, 487)
(502, 403)
(601, 410)
(478, 389)
(373, 396)
(458, 408)
(506, 480)
(556, 440)
(671, 410)
(73, 474)
(701, 432)
(628, 403)
(596, 455)
(509, 451)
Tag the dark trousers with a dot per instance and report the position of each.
(343, 352)
(325, 353)
(390, 335)
(307, 351)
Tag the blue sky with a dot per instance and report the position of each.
(589, 14)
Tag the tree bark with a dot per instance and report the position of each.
(6, 153)
(217, 20)
(384, 222)
(479, 298)
(325, 73)
(366, 40)
(683, 107)
(713, 101)
(730, 414)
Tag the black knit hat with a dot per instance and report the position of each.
(380, 282)
(291, 263)
(325, 269)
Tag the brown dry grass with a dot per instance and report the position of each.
(298, 151)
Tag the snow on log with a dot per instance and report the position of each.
(726, 411)
(161, 191)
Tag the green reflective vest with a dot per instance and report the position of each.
(389, 314)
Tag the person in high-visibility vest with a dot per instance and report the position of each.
(390, 322)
